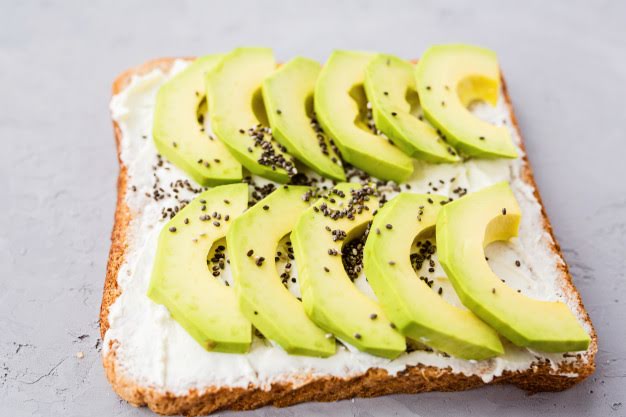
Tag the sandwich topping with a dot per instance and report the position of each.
(323, 249)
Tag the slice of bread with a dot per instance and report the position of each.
(542, 375)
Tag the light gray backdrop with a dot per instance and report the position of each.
(566, 67)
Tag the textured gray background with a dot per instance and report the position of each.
(566, 68)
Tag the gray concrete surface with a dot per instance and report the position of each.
(566, 66)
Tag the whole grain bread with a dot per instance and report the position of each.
(540, 376)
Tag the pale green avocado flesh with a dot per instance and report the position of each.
(178, 128)
(181, 281)
(417, 311)
(464, 227)
(450, 78)
(340, 106)
(237, 113)
(263, 299)
(331, 300)
(288, 98)
(391, 90)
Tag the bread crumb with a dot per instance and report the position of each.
(80, 355)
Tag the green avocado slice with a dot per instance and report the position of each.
(181, 281)
(331, 300)
(464, 228)
(340, 105)
(417, 311)
(449, 78)
(238, 115)
(263, 299)
(178, 128)
(390, 88)
(288, 98)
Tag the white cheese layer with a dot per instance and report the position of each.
(153, 350)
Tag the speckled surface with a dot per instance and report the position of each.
(566, 70)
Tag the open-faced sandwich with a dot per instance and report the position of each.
(307, 232)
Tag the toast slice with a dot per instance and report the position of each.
(541, 374)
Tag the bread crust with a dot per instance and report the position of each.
(375, 382)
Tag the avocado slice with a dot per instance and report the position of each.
(449, 78)
(181, 281)
(464, 228)
(288, 98)
(263, 299)
(178, 128)
(238, 114)
(390, 87)
(330, 298)
(417, 311)
(340, 105)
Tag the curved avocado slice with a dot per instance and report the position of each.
(238, 115)
(330, 298)
(390, 87)
(288, 98)
(340, 105)
(181, 280)
(178, 128)
(263, 299)
(464, 228)
(449, 78)
(417, 311)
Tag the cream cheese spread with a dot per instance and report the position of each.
(153, 350)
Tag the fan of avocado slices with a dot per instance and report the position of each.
(263, 117)
(364, 116)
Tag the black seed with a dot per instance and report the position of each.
(266, 207)
(279, 111)
(493, 290)
(172, 229)
(393, 326)
(504, 211)
(392, 263)
(373, 316)
(256, 312)
(518, 263)
(186, 221)
(386, 93)
(394, 114)
(481, 137)
(250, 252)
(326, 269)
(389, 226)
(357, 336)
